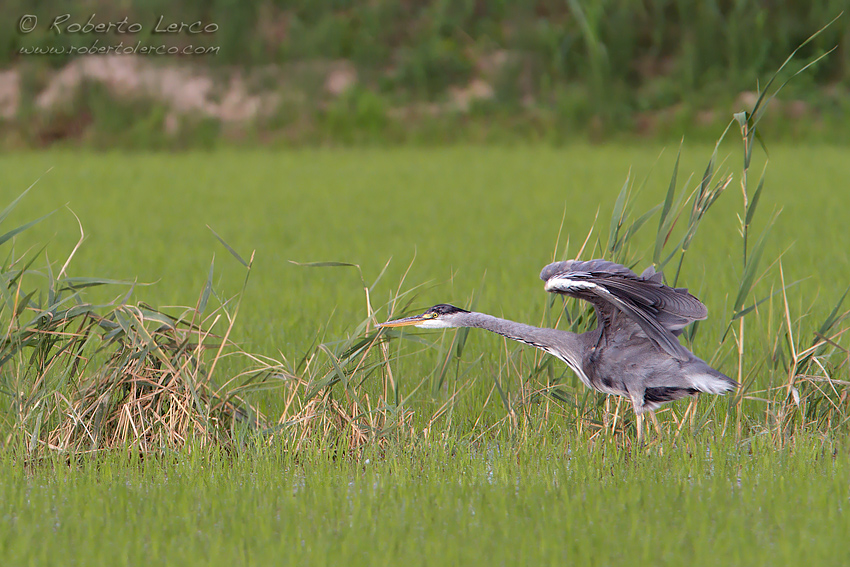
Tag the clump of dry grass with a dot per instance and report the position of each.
(78, 377)
(152, 391)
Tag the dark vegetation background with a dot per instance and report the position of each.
(299, 72)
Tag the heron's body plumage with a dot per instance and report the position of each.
(634, 350)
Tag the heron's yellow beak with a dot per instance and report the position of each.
(407, 321)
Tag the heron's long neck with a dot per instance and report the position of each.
(563, 344)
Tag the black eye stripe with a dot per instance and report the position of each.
(445, 309)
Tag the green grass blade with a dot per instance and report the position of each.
(14, 203)
(205, 295)
(81, 282)
(324, 264)
(751, 207)
(22, 228)
(380, 275)
(761, 99)
(229, 249)
(617, 216)
(337, 368)
(663, 223)
(751, 269)
(639, 222)
(833, 316)
(752, 307)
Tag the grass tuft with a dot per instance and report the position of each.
(77, 377)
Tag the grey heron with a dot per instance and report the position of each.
(634, 351)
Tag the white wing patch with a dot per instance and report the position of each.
(566, 284)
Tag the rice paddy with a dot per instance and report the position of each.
(460, 453)
(434, 506)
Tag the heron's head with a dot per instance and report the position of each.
(438, 317)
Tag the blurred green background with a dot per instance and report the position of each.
(384, 72)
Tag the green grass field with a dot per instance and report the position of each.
(472, 484)
(480, 221)
(433, 506)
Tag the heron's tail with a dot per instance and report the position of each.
(710, 381)
(700, 379)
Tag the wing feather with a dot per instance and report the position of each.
(661, 311)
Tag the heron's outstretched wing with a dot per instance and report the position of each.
(661, 311)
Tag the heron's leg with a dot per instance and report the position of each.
(693, 409)
(639, 429)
